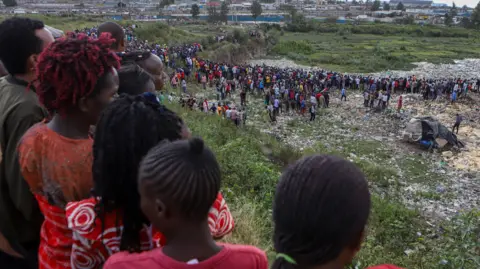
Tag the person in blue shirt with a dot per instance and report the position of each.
(454, 96)
(344, 95)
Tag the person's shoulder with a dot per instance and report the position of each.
(37, 132)
(18, 96)
(126, 260)
(244, 251)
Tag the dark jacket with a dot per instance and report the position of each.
(20, 217)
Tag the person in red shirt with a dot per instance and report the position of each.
(178, 182)
(400, 103)
(309, 231)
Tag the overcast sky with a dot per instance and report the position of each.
(459, 3)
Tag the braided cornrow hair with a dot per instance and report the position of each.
(126, 131)
(72, 68)
(321, 206)
(185, 174)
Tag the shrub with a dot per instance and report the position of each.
(300, 47)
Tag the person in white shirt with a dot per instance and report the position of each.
(380, 98)
(384, 101)
(228, 113)
(313, 100)
(312, 113)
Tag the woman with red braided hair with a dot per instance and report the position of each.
(76, 80)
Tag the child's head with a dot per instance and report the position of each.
(320, 211)
(178, 183)
(126, 131)
(134, 80)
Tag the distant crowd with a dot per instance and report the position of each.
(98, 173)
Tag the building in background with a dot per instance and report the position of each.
(411, 3)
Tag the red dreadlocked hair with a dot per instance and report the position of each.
(70, 68)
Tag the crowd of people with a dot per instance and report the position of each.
(98, 173)
(287, 89)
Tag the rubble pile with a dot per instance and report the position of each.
(467, 68)
(454, 174)
(441, 184)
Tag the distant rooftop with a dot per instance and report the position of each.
(412, 2)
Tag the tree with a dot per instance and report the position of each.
(386, 6)
(400, 6)
(354, 2)
(464, 8)
(448, 19)
(195, 11)
(465, 22)
(212, 14)
(376, 5)
(165, 3)
(453, 10)
(475, 18)
(10, 3)
(224, 12)
(256, 10)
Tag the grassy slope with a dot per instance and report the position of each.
(351, 52)
(393, 229)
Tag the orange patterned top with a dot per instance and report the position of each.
(55, 166)
(58, 170)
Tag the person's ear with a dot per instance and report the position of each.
(32, 62)
(122, 44)
(84, 104)
(161, 210)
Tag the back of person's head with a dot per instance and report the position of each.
(178, 182)
(320, 210)
(77, 72)
(21, 40)
(150, 63)
(128, 128)
(117, 33)
(134, 80)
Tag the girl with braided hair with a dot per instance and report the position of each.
(320, 211)
(76, 79)
(178, 182)
(111, 220)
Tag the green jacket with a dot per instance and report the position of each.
(20, 217)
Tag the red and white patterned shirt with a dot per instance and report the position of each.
(94, 242)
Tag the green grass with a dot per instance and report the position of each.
(366, 53)
(393, 230)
